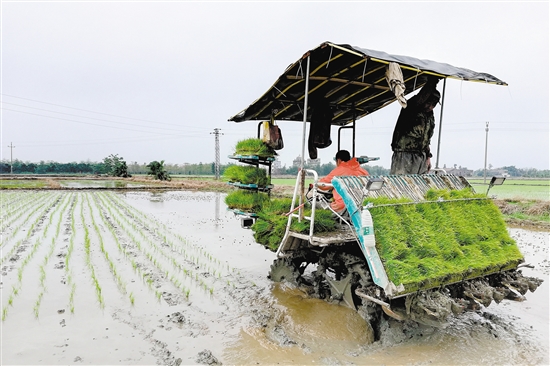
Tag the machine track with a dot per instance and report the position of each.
(339, 274)
(283, 269)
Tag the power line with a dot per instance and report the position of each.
(89, 123)
(86, 110)
(507, 122)
(106, 141)
(172, 124)
(76, 115)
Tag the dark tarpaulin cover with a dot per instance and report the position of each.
(351, 80)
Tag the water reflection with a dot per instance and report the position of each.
(217, 210)
(157, 197)
(89, 183)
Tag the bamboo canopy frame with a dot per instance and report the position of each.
(352, 80)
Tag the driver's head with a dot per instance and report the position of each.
(342, 155)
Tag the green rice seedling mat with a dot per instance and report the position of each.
(246, 175)
(453, 236)
(246, 200)
(270, 225)
(253, 146)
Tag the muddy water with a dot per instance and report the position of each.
(97, 277)
(276, 324)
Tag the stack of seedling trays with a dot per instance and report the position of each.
(254, 152)
(253, 182)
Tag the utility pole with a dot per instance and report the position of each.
(11, 157)
(486, 140)
(217, 134)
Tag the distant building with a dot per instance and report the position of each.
(313, 163)
(497, 172)
(458, 170)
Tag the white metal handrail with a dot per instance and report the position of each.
(293, 206)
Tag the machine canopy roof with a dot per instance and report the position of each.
(351, 79)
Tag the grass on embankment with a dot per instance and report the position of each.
(26, 184)
(531, 212)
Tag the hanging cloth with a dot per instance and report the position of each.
(394, 77)
(319, 128)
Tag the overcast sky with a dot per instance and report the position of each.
(152, 80)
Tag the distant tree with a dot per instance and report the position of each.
(136, 168)
(376, 170)
(4, 168)
(115, 166)
(325, 169)
(293, 170)
(512, 170)
(156, 169)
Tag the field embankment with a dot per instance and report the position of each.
(523, 202)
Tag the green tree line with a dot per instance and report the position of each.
(512, 171)
(112, 165)
(52, 167)
(132, 168)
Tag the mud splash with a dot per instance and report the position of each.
(287, 327)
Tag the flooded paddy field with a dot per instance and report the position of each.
(105, 277)
(99, 183)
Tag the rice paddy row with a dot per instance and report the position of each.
(41, 222)
(164, 247)
(17, 218)
(102, 234)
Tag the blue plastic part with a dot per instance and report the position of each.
(242, 213)
(251, 186)
(376, 267)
